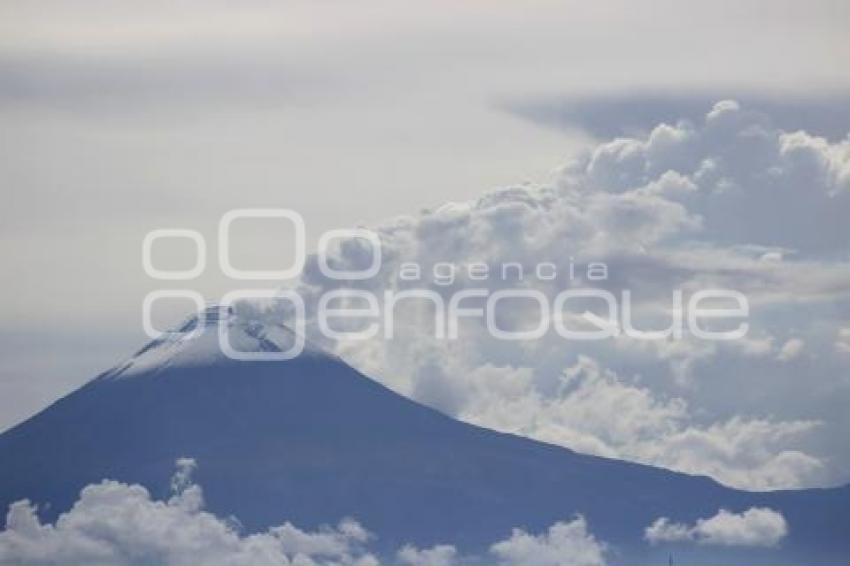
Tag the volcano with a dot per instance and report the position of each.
(312, 440)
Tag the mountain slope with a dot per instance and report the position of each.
(311, 440)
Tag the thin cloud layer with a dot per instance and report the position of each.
(613, 115)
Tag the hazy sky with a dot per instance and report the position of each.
(118, 118)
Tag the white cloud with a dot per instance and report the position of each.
(598, 412)
(757, 526)
(115, 524)
(439, 555)
(564, 544)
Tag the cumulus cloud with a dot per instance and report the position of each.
(116, 524)
(757, 526)
(752, 183)
(564, 544)
(729, 201)
(439, 555)
(598, 412)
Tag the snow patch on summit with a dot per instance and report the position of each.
(197, 341)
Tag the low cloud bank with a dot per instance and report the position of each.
(116, 524)
(565, 543)
(113, 523)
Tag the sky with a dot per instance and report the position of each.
(118, 119)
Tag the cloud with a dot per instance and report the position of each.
(598, 412)
(608, 116)
(94, 87)
(118, 524)
(439, 555)
(727, 202)
(842, 341)
(564, 544)
(737, 162)
(791, 350)
(757, 526)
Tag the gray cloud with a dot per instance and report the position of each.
(126, 85)
(629, 114)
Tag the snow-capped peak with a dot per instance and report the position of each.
(198, 341)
